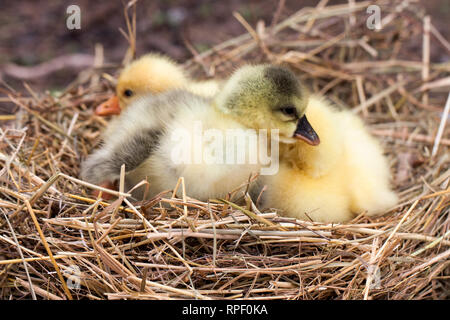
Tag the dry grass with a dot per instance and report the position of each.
(54, 232)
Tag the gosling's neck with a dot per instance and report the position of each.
(221, 108)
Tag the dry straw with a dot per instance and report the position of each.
(55, 234)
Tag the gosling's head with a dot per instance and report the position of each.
(152, 73)
(268, 97)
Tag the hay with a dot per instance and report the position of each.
(58, 242)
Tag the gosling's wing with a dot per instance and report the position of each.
(133, 136)
(105, 163)
(134, 150)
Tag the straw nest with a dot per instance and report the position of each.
(57, 241)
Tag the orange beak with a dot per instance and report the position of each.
(109, 107)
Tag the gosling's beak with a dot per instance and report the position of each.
(305, 132)
(109, 107)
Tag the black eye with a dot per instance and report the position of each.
(289, 111)
(128, 93)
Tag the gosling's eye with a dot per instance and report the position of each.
(128, 93)
(289, 111)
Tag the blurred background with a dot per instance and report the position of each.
(33, 32)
